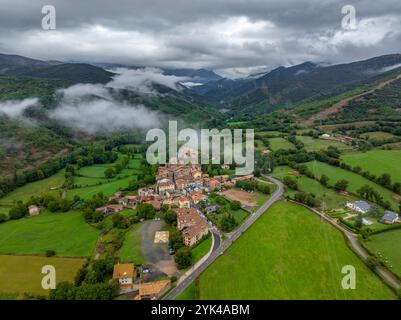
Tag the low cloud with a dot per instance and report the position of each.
(104, 116)
(143, 80)
(16, 108)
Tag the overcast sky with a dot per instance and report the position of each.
(233, 37)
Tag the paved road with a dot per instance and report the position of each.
(386, 275)
(220, 249)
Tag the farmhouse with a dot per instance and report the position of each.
(213, 184)
(389, 217)
(124, 274)
(33, 210)
(242, 178)
(153, 290)
(358, 206)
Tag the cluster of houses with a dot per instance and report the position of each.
(363, 207)
(127, 277)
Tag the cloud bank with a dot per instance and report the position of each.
(98, 108)
(16, 108)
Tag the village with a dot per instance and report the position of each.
(184, 189)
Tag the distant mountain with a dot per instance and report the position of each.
(14, 65)
(286, 87)
(75, 72)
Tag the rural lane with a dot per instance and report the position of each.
(219, 250)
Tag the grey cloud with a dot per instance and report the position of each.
(225, 35)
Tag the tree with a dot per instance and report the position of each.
(176, 240)
(359, 221)
(372, 262)
(63, 291)
(109, 173)
(3, 217)
(291, 183)
(341, 185)
(146, 211)
(235, 205)
(183, 258)
(18, 211)
(227, 222)
(324, 180)
(170, 217)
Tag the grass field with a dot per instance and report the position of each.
(377, 135)
(312, 144)
(280, 143)
(355, 181)
(131, 249)
(107, 188)
(388, 244)
(377, 162)
(22, 274)
(330, 198)
(66, 233)
(34, 189)
(201, 249)
(289, 253)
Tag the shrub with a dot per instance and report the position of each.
(50, 253)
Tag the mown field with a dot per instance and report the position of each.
(355, 181)
(34, 189)
(66, 233)
(330, 198)
(377, 162)
(388, 244)
(131, 249)
(312, 144)
(201, 249)
(298, 256)
(22, 274)
(280, 143)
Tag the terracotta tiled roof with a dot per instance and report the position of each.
(126, 270)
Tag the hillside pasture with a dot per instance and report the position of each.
(66, 233)
(355, 181)
(280, 143)
(48, 185)
(312, 144)
(329, 198)
(376, 162)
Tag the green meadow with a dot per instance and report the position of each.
(280, 143)
(388, 245)
(288, 253)
(66, 233)
(312, 144)
(376, 162)
(131, 249)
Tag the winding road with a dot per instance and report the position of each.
(219, 248)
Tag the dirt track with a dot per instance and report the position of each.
(335, 108)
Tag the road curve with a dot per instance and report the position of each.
(219, 250)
